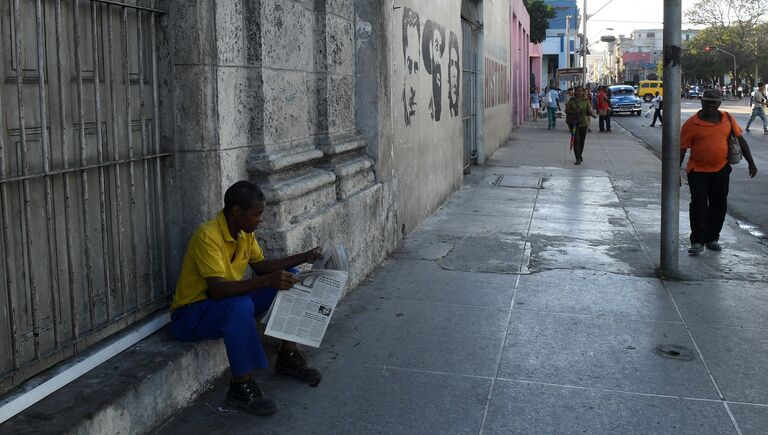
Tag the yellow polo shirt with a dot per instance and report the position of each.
(213, 251)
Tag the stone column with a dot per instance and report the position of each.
(343, 148)
(193, 53)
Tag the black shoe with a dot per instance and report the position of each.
(248, 397)
(293, 364)
(578, 162)
(695, 249)
(714, 246)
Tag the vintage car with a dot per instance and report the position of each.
(623, 100)
(695, 92)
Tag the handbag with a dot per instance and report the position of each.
(734, 149)
(574, 118)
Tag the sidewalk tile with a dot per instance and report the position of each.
(520, 407)
(737, 359)
(427, 245)
(427, 336)
(722, 303)
(491, 254)
(600, 352)
(752, 419)
(594, 293)
(622, 255)
(425, 281)
(580, 184)
(477, 224)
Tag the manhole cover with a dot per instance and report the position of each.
(672, 351)
(520, 181)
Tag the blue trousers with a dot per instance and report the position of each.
(758, 112)
(232, 319)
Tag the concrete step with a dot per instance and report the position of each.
(133, 392)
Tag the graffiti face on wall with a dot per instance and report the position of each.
(433, 47)
(411, 58)
(425, 51)
(453, 75)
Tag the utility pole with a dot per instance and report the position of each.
(670, 142)
(584, 43)
(567, 41)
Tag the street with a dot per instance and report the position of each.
(746, 199)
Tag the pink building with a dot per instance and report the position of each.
(520, 65)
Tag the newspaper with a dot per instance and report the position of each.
(302, 313)
(333, 258)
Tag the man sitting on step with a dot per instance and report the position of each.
(212, 299)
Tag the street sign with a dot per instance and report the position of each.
(570, 74)
(569, 71)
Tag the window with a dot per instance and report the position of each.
(654, 85)
(650, 35)
(645, 85)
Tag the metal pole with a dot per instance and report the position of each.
(584, 43)
(567, 41)
(670, 142)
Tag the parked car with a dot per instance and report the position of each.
(623, 100)
(694, 92)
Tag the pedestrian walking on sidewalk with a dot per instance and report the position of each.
(553, 105)
(657, 107)
(577, 113)
(758, 107)
(535, 104)
(213, 301)
(604, 109)
(706, 134)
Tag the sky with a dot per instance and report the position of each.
(622, 16)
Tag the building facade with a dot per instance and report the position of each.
(560, 49)
(357, 118)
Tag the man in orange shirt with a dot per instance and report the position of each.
(706, 135)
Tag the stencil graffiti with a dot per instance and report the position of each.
(427, 49)
(411, 58)
(432, 48)
(454, 72)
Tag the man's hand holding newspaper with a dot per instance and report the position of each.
(302, 313)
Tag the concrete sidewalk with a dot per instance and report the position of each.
(528, 303)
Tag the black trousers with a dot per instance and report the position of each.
(657, 115)
(709, 203)
(581, 136)
(605, 123)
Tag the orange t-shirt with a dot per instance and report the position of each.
(708, 142)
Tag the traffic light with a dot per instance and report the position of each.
(710, 48)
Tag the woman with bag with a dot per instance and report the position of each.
(577, 113)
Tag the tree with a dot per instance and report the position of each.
(540, 14)
(735, 26)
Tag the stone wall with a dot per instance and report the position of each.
(410, 90)
(496, 40)
(265, 90)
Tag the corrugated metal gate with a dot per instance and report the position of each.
(82, 233)
(469, 91)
